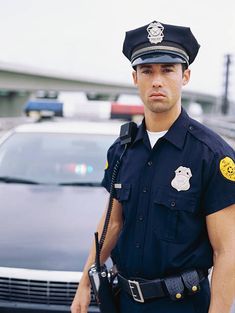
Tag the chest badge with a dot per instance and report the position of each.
(181, 180)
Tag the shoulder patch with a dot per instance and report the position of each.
(106, 165)
(227, 168)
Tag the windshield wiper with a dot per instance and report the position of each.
(83, 184)
(9, 179)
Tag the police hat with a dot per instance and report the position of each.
(160, 43)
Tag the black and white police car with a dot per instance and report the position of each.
(51, 200)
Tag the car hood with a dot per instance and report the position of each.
(48, 227)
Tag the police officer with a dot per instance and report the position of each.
(173, 216)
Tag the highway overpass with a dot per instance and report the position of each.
(18, 84)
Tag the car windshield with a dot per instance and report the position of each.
(54, 158)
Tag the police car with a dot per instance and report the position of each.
(51, 200)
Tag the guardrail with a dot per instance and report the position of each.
(225, 126)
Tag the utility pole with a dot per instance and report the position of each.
(225, 101)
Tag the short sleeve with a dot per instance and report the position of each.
(220, 190)
(106, 182)
(112, 156)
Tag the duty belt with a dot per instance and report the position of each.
(175, 287)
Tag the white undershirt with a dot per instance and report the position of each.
(154, 136)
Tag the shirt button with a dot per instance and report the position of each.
(145, 190)
(191, 127)
(141, 218)
(173, 203)
(150, 163)
(137, 245)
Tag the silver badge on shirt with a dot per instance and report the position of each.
(155, 32)
(181, 179)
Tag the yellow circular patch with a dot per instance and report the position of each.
(106, 165)
(227, 168)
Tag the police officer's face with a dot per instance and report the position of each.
(160, 85)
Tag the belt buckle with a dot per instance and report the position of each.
(136, 291)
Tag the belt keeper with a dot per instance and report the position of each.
(191, 281)
(175, 287)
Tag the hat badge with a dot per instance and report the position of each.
(155, 32)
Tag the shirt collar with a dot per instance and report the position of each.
(175, 135)
(141, 131)
(178, 130)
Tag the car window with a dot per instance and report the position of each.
(53, 158)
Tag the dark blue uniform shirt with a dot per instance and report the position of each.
(166, 193)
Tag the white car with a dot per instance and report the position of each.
(51, 201)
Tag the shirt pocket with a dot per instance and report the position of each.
(174, 215)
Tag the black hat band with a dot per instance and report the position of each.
(152, 49)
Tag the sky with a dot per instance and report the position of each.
(83, 38)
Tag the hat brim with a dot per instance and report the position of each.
(160, 58)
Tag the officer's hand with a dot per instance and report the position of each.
(81, 299)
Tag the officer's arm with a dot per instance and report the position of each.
(82, 297)
(221, 230)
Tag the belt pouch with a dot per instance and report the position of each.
(174, 287)
(191, 281)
